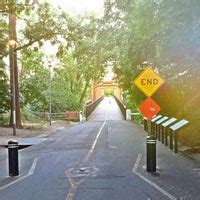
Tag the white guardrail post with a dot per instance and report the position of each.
(129, 114)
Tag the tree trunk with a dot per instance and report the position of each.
(84, 91)
(13, 61)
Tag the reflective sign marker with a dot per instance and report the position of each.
(149, 108)
(148, 81)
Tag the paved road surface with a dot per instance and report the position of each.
(107, 109)
(99, 160)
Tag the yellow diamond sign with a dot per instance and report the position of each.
(148, 81)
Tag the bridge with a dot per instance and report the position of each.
(107, 109)
(106, 88)
(106, 101)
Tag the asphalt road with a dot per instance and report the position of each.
(102, 159)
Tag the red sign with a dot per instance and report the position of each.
(149, 108)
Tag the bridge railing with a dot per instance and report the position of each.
(121, 106)
(90, 106)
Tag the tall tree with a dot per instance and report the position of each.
(13, 64)
(32, 34)
(12, 8)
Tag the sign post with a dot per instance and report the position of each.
(149, 81)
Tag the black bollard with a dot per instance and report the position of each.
(151, 153)
(13, 163)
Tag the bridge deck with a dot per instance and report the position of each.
(106, 110)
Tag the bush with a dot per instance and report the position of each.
(30, 116)
(4, 118)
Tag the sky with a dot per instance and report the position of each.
(79, 6)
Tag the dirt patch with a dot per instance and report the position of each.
(194, 150)
(32, 131)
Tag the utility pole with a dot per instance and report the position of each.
(12, 45)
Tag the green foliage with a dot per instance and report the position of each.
(4, 118)
(44, 23)
(33, 86)
(66, 86)
(68, 80)
(4, 84)
(4, 89)
(84, 46)
(161, 33)
(28, 115)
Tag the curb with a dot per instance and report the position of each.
(191, 157)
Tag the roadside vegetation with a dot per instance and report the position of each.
(131, 35)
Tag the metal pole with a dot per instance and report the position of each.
(166, 130)
(13, 92)
(162, 134)
(159, 132)
(145, 125)
(156, 131)
(175, 142)
(152, 128)
(50, 95)
(171, 139)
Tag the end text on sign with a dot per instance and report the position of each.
(149, 81)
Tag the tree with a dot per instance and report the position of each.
(87, 52)
(35, 31)
(34, 80)
(80, 61)
(4, 86)
(12, 9)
